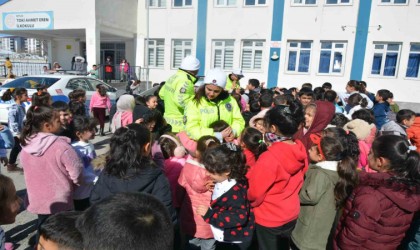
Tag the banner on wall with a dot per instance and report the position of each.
(40, 20)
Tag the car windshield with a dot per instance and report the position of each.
(94, 82)
(31, 82)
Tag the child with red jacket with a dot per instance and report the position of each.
(277, 177)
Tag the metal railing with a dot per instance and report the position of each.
(24, 68)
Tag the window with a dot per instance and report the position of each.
(393, 1)
(331, 60)
(180, 49)
(156, 53)
(385, 59)
(252, 52)
(182, 3)
(79, 84)
(298, 56)
(157, 3)
(413, 61)
(338, 2)
(223, 54)
(303, 2)
(254, 2)
(223, 3)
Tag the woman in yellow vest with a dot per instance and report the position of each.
(212, 103)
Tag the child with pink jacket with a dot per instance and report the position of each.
(196, 185)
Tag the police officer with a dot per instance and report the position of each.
(178, 91)
(213, 103)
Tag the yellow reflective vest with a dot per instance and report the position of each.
(229, 84)
(199, 116)
(176, 93)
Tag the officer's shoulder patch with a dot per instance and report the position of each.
(182, 90)
(228, 107)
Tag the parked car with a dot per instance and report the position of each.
(59, 86)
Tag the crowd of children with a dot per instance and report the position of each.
(253, 169)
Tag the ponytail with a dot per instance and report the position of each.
(348, 179)
(7, 95)
(36, 117)
(337, 150)
(254, 141)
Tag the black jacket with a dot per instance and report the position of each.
(150, 179)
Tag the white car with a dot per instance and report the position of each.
(59, 87)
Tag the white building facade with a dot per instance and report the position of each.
(281, 42)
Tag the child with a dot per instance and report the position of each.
(41, 99)
(6, 141)
(252, 143)
(362, 131)
(124, 114)
(354, 87)
(339, 120)
(317, 116)
(382, 206)
(175, 157)
(405, 118)
(16, 116)
(218, 127)
(130, 168)
(331, 96)
(151, 102)
(9, 207)
(277, 177)
(51, 165)
(7, 97)
(99, 103)
(195, 182)
(305, 96)
(257, 121)
(65, 118)
(381, 108)
(77, 102)
(413, 132)
(327, 185)
(229, 215)
(59, 232)
(84, 130)
(94, 72)
(127, 221)
(354, 103)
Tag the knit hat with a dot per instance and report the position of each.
(216, 77)
(359, 127)
(190, 63)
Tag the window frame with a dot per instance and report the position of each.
(183, 5)
(256, 4)
(254, 49)
(418, 70)
(155, 47)
(225, 5)
(223, 48)
(156, 7)
(384, 52)
(333, 50)
(339, 3)
(183, 47)
(303, 4)
(392, 2)
(298, 50)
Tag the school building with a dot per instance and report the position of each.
(281, 42)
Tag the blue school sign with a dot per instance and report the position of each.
(41, 20)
